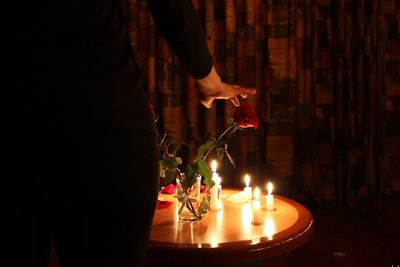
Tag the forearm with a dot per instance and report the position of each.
(179, 24)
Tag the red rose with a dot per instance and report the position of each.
(152, 109)
(245, 117)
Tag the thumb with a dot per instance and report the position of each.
(207, 101)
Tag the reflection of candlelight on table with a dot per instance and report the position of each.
(246, 217)
(257, 207)
(219, 215)
(247, 188)
(269, 228)
(229, 228)
(214, 242)
(269, 198)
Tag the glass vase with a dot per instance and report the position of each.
(188, 202)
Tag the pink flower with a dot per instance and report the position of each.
(245, 117)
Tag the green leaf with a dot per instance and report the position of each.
(190, 176)
(162, 169)
(176, 145)
(205, 147)
(169, 163)
(220, 153)
(178, 160)
(203, 207)
(230, 158)
(170, 176)
(201, 167)
(209, 182)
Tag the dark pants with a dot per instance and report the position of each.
(93, 189)
(94, 192)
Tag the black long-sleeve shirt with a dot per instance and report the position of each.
(76, 56)
(66, 40)
(178, 22)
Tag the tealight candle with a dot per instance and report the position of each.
(269, 198)
(256, 211)
(247, 189)
(216, 187)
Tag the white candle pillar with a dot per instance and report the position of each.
(247, 189)
(269, 198)
(215, 188)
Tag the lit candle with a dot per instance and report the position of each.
(216, 187)
(270, 198)
(256, 211)
(214, 169)
(247, 189)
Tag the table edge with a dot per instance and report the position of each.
(302, 231)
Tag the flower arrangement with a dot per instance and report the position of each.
(171, 164)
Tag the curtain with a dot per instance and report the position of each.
(328, 81)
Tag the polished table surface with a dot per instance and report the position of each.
(228, 235)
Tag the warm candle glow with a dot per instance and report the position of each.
(246, 218)
(247, 189)
(217, 180)
(257, 218)
(269, 188)
(257, 194)
(214, 166)
(216, 188)
(247, 180)
(269, 198)
(269, 228)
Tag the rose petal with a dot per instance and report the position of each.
(163, 204)
(169, 189)
(245, 117)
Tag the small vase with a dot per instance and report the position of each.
(189, 201)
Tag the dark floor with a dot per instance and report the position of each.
(368, 235)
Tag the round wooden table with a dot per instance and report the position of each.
(228, 236)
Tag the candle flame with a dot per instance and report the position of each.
(214, 166)
(247, 180)
(257, 194)
(269, 188)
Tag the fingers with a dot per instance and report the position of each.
(235, 101)
(246, 91)
(234, 90)
(226, 91)
(207, 101)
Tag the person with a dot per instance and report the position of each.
(83, 144)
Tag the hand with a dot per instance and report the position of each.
(212, 88)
